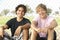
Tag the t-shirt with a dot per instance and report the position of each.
(42, 23)
(13, 24)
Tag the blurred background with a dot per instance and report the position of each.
(7, 10)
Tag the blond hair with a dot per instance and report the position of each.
(41, 6)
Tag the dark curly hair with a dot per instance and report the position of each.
(23, 6)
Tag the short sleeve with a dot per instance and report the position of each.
(9, 23)
(51, 19)
(28, 21)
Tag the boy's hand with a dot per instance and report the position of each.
(38, 30)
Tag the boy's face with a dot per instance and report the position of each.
(42, 12)
(20, 12)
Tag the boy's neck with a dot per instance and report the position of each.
(44, 17)
(19, 19)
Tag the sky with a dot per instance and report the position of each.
(11, 4)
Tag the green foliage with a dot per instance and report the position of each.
(29, 10)
(49, 10)
(58, 20)
(3, 20)
(4, 12)
(56, 12)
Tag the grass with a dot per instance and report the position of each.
(58, 20)
(4, 19)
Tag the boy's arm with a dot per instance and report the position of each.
(2, 28)
(26, 26)
(1, 32)
(34, 26)
(18, 30)
(53, 24)
(5, 27)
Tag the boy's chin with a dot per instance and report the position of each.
(42, 17)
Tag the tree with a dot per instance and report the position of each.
(5, 11)
(0, 14)
(29, 10)
(49, 10)
(56, 12)
(13, 11)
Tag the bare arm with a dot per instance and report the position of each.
(26, 26)
(53, 24)
(34, 26)
(18, 30)
(1, 31)
(5, 27)
(2, 28)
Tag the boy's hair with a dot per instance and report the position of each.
(41, 6)
(23, 6)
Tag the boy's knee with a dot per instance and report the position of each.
(50, 31)
(34, 33)
(25, 31)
